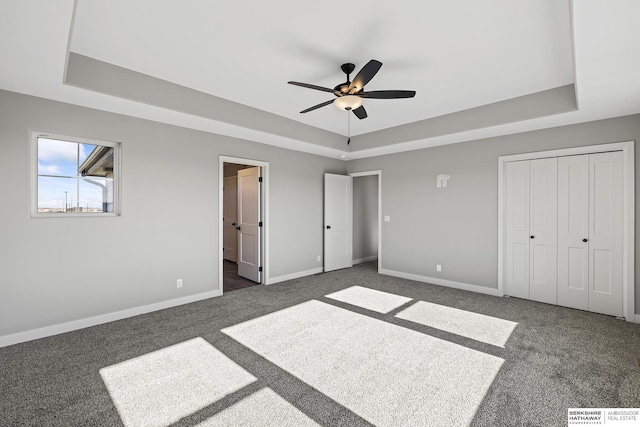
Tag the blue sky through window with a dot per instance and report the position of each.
(59, 183)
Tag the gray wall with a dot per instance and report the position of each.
(56, 270)
(169, 223)
(365, 217)
(457, 226)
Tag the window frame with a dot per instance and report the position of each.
(34, 175)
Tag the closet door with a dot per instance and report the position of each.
(543, 230)
(531, 235)
(605, 233)
(517, 229)
(563, 236)
(573, 232)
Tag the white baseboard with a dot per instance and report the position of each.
(366, 259)
(292, 276)
(441, 282)
(74, 325)
(637, 318)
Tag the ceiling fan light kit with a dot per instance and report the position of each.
(349, 94)
(348, 102)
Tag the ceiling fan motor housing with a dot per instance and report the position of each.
(342, 88)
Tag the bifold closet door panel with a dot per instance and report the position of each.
(543, 230)
(517, 229)
(573, 232)
(605, 233)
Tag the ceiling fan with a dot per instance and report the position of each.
(350, 93)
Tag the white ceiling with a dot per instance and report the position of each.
(457, 55)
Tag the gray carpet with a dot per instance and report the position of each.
(555, 358)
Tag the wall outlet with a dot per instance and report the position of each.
(319, 259)
(438, 267)
(179, 283)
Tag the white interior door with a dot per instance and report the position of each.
(573, 232)
(229, 219)
(517, 229)
(543, 230)
(248, 221)
(605, 233)
(338, 221)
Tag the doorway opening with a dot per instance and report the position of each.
(242, 223)
(367, 212)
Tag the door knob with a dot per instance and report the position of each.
(328, 227)
(238, 228)
(585, 240)
(533, 237)
(233, 223)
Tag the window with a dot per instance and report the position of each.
(74, 176)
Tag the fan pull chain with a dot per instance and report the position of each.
(348, 127)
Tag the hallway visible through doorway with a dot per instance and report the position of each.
(243, 202)
(232, 281)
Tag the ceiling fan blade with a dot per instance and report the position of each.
(308, 86)
(365, 75)
(360, 112)
(315, 107)
(389, 94)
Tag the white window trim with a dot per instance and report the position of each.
(33, 175)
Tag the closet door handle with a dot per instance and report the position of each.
(328, 227)
(233, 223)
(585, 240)
(533, 237)
(237, 228)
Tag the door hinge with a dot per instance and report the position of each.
(259, 179)
(259, 268)
(260, 224)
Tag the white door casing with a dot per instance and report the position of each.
(338, 221)
(264, 211)
(230, 234)
(378, 174)
(248, 219)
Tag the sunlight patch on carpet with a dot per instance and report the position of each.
(479, 327)
(160, 388)
(386, 374)
(263, 408)
(371, 299)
